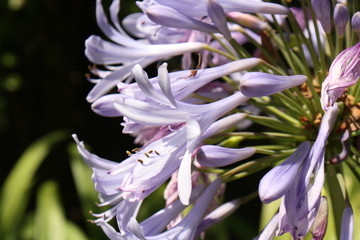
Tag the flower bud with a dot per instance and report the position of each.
(322, 11)
(355, 23)
(341, 18)
(347, 224)
(258, 84)
(321, 221)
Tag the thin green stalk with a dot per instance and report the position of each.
(226, 47)
(292, 105)
(274, 124)
(284, 46)
(309, 103)
(274, 69)
(339, 44)
(230, 57)
(264, 51)
(268, 135)
(336, 195)
(240, 50)
(252, 167)
(282, 115)
(331, 45)
(300, 39)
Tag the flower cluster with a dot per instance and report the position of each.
(288, 74)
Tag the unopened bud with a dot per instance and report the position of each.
(341, 18)
(320, 224)
(355, 23)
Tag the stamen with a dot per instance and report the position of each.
(157, 152)
(147, 155)
(128, 153)
(194, 72)
(135, 150)
(140, 161)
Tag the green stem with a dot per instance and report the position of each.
(275, 124)
(262, 135)
(331, 45)
(335, 191)
(230, 57)
(280, 114)
(252, 167)
(339, 44)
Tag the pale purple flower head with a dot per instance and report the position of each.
(344, 72)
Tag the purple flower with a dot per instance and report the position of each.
(305, 177)
(182, 85)
(125, 51)
(142, 172)
(344, 72)
(152, 227)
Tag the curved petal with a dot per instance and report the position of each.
(278, 180)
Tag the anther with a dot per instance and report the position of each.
(135, 150)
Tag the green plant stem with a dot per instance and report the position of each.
(229, 56)
(267, 135)
(331, 45)
(252, 167)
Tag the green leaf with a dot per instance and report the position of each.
(15, 190)
(82, 177)
(74, 232)
(50, 222)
